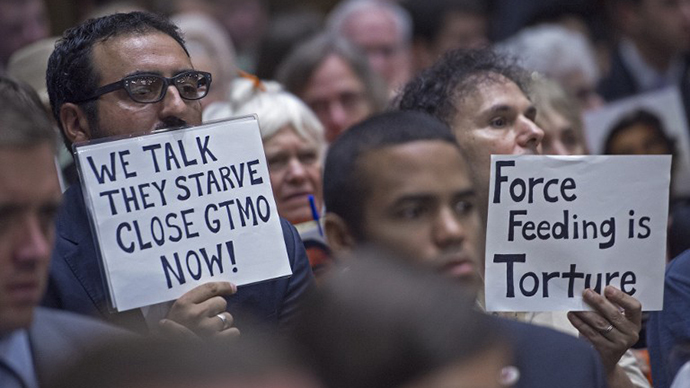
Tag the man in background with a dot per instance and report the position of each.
(33, 340)
(440, 26)
(652, 50)
(21, 22)
(383, 31)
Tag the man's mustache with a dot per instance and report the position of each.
(171, 122)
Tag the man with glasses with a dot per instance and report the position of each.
(128, 74)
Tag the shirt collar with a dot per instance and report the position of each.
(15, 351)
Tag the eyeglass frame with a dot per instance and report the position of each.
(167, 82)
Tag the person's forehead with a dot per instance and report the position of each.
(289, 135)
(413, 166)
(553, 120)
(152, 51)
(332, 76)
(640, 129)
(486, 91)
(371, 16)
(27, 173)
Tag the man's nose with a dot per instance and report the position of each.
(173, 104)
(33, 241)
(448, 230)
(529, 134)
(338, 117)
(379, 62)
(296, 171)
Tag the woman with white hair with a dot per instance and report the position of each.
(293, 139)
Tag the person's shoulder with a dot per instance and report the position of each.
(72, 326)
(58, 337)
(72, 196)
(293, 242)
(287, 226)
(521, 331)
(680, 263)
(677, 276)
(682, 378)
(547, 357)
(71, 221)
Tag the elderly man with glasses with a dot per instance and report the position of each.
(128, 74)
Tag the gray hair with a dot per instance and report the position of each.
(547, 93)
(298, 67)
(345, 9)
(23, 120)
(554, 51)
(275, 108)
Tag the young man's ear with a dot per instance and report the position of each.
(338, 234)
(74, 123)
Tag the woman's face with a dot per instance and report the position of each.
(294, 165)
(638, 139)
(560, 135)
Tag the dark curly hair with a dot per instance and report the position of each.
(437, 90)
(70, 76)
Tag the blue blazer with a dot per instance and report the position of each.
(548, 358)
(668, 330)
(76, 284)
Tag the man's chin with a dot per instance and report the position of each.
(469, 280)
(15, 319)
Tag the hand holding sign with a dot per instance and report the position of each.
(610, 330)
(196, 312)
(177, 209)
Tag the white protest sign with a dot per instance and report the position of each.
(560, 224)
(177, 209)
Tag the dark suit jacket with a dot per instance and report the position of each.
(619, 83)
(549, 359)
(668, 330)
(57, 337)
(76, 284)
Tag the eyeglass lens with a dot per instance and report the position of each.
(149, 88)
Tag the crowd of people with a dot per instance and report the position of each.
(378, 121)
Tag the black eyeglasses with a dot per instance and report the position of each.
(151, 88)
